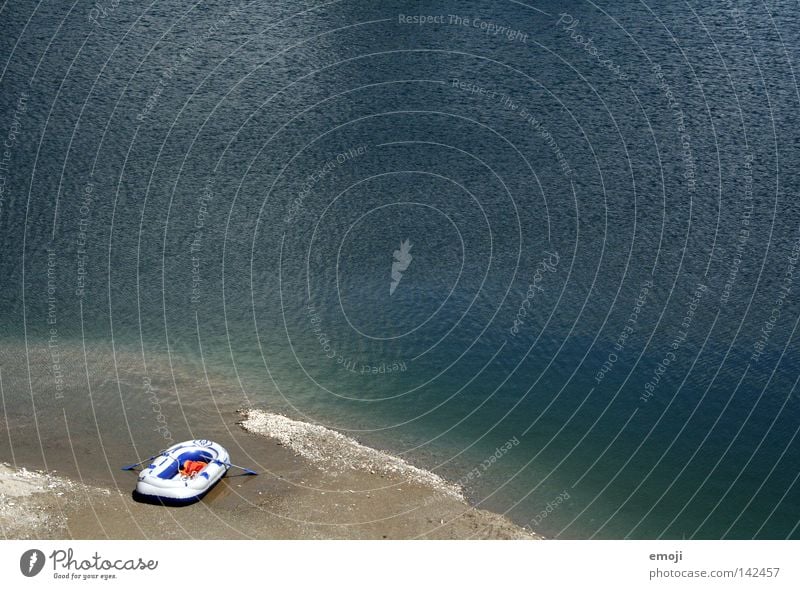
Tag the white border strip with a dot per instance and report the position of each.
(388, 564)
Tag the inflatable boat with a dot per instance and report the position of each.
(183, 473)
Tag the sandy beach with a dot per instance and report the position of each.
(60, 475)
(318, 484)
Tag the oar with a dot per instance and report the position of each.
(228, 464)
(132, 466)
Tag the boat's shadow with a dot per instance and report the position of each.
(164, 501)
(218, 490)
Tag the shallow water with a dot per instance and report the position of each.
(599, 278)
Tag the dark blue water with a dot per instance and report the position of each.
(591, 324)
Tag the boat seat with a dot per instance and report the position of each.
(172, 469)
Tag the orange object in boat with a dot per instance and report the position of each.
(192, 467)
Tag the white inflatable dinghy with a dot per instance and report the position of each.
(183, 473)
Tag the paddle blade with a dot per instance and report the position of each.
(135, 464)
(246, 470)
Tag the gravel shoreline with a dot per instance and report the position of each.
(35, 503)
(337, 453)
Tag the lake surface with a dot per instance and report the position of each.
(548, 250)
